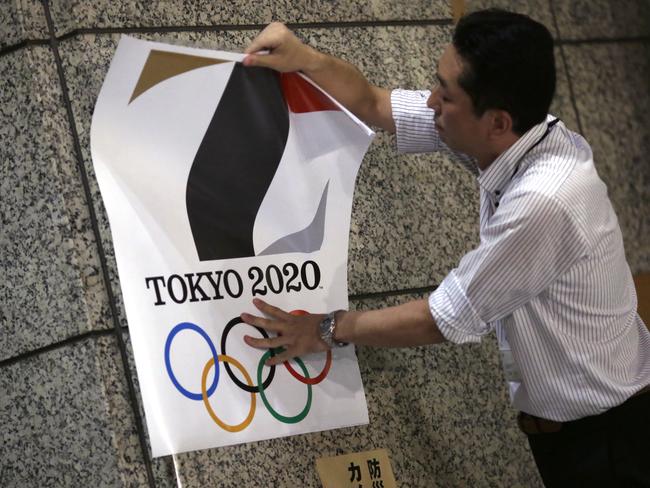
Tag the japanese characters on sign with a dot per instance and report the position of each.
(370, 469)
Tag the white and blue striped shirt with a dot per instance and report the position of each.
(549, 275)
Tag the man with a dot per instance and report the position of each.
(549, 274)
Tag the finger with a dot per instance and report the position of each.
(272, 325)
(258, 44)
(262, 47)
(269, 38)
(270, 343)
(270, 310)
(261, 60)
(252, 47)
(251, 60)
(280, 358)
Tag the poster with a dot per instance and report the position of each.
(224, 183)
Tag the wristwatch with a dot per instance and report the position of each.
(327, 328)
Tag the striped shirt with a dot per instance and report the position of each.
(549, 275)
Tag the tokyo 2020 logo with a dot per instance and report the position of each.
(253, 388)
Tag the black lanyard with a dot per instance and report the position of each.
(549, 126)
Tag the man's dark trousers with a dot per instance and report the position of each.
(609, 450)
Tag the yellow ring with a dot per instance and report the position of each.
(206, 402)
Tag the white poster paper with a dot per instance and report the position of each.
(223, 183)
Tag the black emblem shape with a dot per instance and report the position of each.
(236, 162)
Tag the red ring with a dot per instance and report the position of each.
(326, 368)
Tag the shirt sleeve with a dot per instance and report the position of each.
(415, 127)
(529, 242)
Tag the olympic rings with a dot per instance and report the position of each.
(306, 379)
(168, 365)
(282, 418)
(206, 402)
(224, 336)
(260, 388)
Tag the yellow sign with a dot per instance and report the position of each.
(369, 469)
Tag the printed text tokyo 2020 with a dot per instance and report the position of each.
(217, 285)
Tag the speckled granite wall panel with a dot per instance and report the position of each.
(66, 420)
(69, 15)
(50, 285)
(583, 19)
(363, 10)
(413, 218)
(539, 10)
(441, 411)
(562, 106)
(21, 20)
(611, 84)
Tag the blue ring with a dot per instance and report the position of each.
(168, 344)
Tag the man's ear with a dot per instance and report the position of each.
(500, 123)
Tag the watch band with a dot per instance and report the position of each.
(327, 328)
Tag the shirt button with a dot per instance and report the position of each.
(497, 192)
(496, 204)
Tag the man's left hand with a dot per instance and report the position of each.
(298, 334)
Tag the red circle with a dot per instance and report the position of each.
(326, 368)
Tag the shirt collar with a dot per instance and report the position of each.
(500, 172)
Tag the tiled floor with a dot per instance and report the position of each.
(69, 399)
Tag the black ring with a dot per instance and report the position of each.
(244, 386)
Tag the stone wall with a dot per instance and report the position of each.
(70, 408)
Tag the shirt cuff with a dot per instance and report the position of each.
(454, 315)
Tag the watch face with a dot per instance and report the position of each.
(326, 331)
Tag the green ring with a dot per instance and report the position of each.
(280, 417)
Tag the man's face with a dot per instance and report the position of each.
(457, 124)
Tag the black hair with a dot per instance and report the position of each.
(508, 64)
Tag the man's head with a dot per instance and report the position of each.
(497, 80)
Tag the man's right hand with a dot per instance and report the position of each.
(285, 51)
(340, 79)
